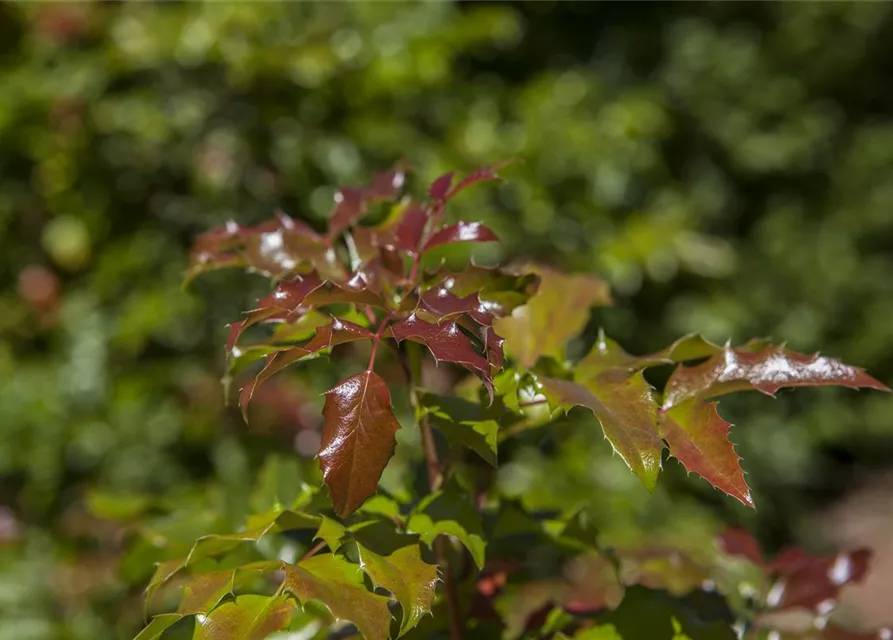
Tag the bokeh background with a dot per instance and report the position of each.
(728, 167)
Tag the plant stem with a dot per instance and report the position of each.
(435, 480)
(314, 550)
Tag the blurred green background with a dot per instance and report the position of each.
(728, 167)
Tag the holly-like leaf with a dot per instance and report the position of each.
(699, 439)
(478, 175)
(351, 203)
(767, 370)
(284, 301)
(464, 423)
(446, 342)
(627, 412)
(449, 512)
(204, 592)
(332, 533)
(408, 234)
(338, 584)
(460, 232)
(358, 439)
(407, 576)
(248, 617)
(337, 332)
(557, 312)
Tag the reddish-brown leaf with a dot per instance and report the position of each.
(478, 175)
(336, 332)
(358, 439)
(408, 234)
(699, 438)
(446, 342)
(351, 203)
(286, 299)
(627, 412)
(441, 186)
(248, 617)
(767, 370)
(460, 232)
(442, 303)
(807, 581)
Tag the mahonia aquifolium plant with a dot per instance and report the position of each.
(379, 566)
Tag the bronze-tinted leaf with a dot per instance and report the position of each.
(627, 412)
(445, 341)
(767, 370)
(336, 332)
(557, 312)
(460, 232)
(408, 234)
(248, 617)
(442, 303)
(336, 583)
(285, 300)
(699, 438)
(351, 203)
(358, 439)
(478, 175)
(407, 576)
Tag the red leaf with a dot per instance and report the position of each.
(358, 439)
(409, 231)
(739, 542)
(441, 186)
(445, 341)
(336, 332)
(442, 303)
(811, 580)
(479, 175)
(767, 370)
(285, 299)
(351, 203)
(460, 232)
(698, 438)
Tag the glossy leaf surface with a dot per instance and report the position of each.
(626, 409)
(338, 584)
(460, 232)
(407, 576)
(699, 438)
(358, 439)
(766, 370)
(248, 617)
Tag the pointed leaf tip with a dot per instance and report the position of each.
(358, 439)
(698, 438)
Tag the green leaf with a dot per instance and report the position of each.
(627, 412)
(116, 506)
(407, 576)
(557, 312)
(332, 533)
(449, 512)
(204, 592)
(699, 439)
(463, 423)
(601, 632)
(358, 439)
(654, 614)
(248, 617)
(158, 625)
(338, 584)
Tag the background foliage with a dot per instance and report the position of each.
(723, 166)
